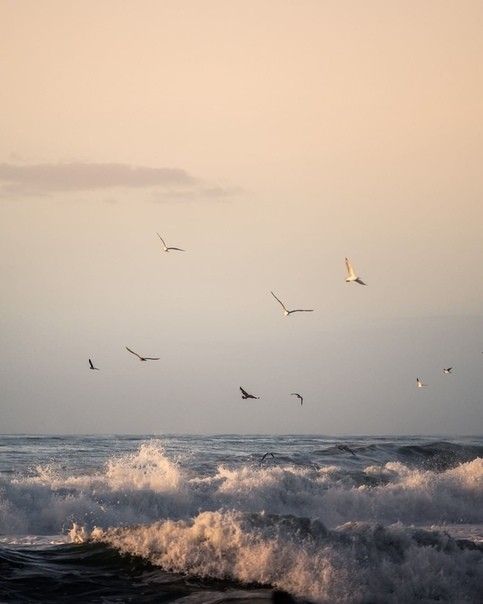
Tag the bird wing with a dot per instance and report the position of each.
(350, 270)
(161, 239)
(263, 457)
(360, 281)
(244, 392)
(134, 353)
(279, 301)
(302, 310)
(151, 358)
(90, 363)
(178, 249)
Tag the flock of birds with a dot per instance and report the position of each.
(352, 277)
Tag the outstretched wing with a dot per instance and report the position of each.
(302, 310)
(244, 392)
(350, 269)
(279, 301)
(178, 249)
(161, 239)
(91, 365)
(134, 353)
(151, 358)
(360, 281)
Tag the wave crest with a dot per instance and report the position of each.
(358, 562)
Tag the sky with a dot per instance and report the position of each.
(270, 140)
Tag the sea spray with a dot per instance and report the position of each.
(356, 562)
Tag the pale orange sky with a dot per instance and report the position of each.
(315, 130)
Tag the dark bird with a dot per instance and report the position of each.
(287, 312)
(351, 275)
(266, 455)
(142, 358)
(91, 366)
(168, 249)
(448, 370)
(299, 396)
(246, 395)
(346, 448)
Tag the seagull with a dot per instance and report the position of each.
(448, 370)
(266, 455)
(420, 384)
(346, 448)
(246, 395)
(299, 396)
(142, 358)
(166, 248)
(91, 366)
(289, 312)
(351, 274)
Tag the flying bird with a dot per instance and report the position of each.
(346, 448)
(266, 455)
(166, 248)
(142, 358)
(246, 395)
(287, 312)
(91, 366)
(420, 384)
(448, 370)
(351, 274)
(299, 396)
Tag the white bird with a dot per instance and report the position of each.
(420, 384)
(351, 274)
(287, 312)
(142, 358)
(448, 370)
(91, 366)
(166, 248)
(299, 396)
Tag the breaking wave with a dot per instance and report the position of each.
(357, 562)
(146, 486)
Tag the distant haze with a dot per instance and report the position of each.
(270, 140)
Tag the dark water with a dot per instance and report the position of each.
(203, 519)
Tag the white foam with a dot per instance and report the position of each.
(146, 486)
(357, 562)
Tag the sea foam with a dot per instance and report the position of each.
(147, 485)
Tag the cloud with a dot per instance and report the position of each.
(45, 179)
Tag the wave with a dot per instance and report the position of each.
(357, 562)
(146, 486)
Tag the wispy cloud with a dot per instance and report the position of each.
(45, 179)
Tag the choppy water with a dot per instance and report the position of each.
(201, 519)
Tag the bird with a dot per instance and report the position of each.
(351, 274)
(299, 396)
(287, 312)
(166, 248)
(91, 366)
(246, 395)
(266, 455)
(448, 370)
(420, 384)
(142, 358)
(346, 448)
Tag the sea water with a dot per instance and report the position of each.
(194, 519)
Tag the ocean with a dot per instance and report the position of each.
(209, 519)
